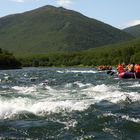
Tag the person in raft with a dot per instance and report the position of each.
(130, 71)
(129, 68)
(121, 68)
(137, 68)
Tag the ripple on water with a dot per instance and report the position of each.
(68, 104)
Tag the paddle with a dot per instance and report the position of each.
(110, 72)
(135, 75)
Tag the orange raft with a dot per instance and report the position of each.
(103, 67)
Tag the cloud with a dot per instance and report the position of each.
(19, 1)
(130, 23)
(59, 2)
(64, 2)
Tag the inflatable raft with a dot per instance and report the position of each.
(104, 67)
(127, 75)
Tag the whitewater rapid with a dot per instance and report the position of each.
(44, 98)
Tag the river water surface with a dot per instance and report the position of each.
(68, 104)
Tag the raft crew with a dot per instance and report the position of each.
(137, 68)
(128, 71)
(129, 68)
(104, 67)
(120, 68)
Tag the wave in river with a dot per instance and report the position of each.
(43, 99)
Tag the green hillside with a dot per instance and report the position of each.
(128, 52)
(50, 29)
(134, 30)
(106, 55)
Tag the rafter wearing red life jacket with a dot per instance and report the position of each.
(120, 68)
(137, 68)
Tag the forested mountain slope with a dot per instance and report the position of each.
(49, 29)
(133, 30)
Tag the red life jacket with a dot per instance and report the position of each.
(120, 68)
(137, 68)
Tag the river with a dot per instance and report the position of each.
(68, 104)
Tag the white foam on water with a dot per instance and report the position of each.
(101, 88)
(110, 131)
(135, 84)
(55, 100)
(11, 107)
(8, 109)
(86, 137)
(81, 84)
(78, 71)
(69, 85)
(43, 86)
(70, 124)
(126, 117)
(56, 106)
(77, 84)
(58, 100)
(111, 94)
(25, 90)
(59, 71)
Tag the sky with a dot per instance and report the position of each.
(118, 13)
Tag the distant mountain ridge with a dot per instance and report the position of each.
(133, 30)
(48, 29)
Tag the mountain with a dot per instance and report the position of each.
(133, 30)
(49, 29)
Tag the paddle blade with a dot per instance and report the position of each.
(108, 72)
(112, 73)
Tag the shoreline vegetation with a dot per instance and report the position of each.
(8, 60)
(107, 55)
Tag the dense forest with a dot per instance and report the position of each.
(8, 61)
(106, 55)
